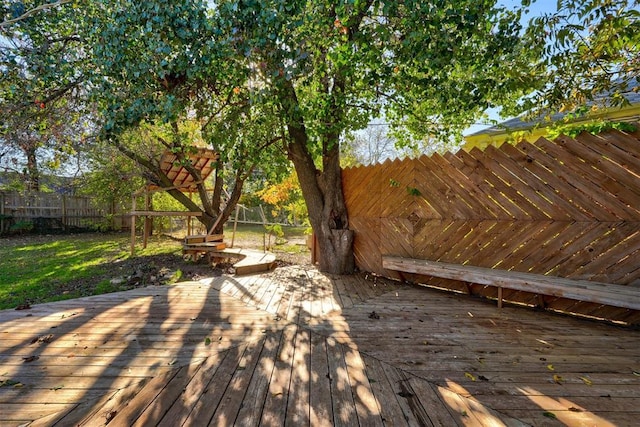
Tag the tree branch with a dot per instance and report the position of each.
(32, 12)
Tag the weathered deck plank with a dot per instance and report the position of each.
(294, 347)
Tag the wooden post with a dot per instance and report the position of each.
(133, 225)
(64, 212)
(189, 233)
(264, 225)
(145, 228)
(235, 225)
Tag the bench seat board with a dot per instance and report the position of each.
(580, 290)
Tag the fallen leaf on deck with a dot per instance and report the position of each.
(30, 359)
(586, 380)
(483, 378)
(549, 415)
(636, 373)
(573, 409)
(46, 338)
(9, 383)
(557, 379)
(60, 387)
(207, 341)
(550, 367)
(470, 376)
(110, 415)
(405, 394)
(374, 315)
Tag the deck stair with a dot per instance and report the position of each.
(213, 247)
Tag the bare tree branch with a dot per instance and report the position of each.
(33, 11)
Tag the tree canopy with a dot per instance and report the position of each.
(590, 55)
(293, 75)
(275, 79)
(42, 63)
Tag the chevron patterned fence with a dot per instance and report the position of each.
(568, 207)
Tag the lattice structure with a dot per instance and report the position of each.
(569, 208)
(202, 160)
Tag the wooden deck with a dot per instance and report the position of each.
(294, 347)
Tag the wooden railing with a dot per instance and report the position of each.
(568, 208)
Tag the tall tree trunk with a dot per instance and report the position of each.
(323, 195)
(322, 191)
(32, 175)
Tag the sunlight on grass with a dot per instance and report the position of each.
(37, 269)
(33, 270)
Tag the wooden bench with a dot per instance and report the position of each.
(580, 290)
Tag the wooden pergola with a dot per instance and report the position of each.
(202, 160)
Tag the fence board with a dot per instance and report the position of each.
(540, 178)
(497, 190)
(568, 208)
(50, 211)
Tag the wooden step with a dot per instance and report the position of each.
(204, 247)
(250, 262)
(202, 238)
(255, 262)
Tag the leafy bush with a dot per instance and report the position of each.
(594, 127)
(22, 226)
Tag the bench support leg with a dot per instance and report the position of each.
(468, 287)
(499, 296)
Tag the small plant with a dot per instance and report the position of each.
(102, 225)
(276, 231)
(105, 287)
(413, 191)
(175, 277)
(394, 183)
(21, 227)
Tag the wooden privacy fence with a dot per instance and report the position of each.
(568, 208)
(51, 211)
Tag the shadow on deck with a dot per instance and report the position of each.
(296, 347)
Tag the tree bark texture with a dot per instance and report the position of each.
(322, 191)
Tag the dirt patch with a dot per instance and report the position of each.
(164, 269)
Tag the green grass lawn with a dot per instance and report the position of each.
(36, 269)
(33, 268)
